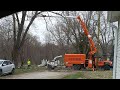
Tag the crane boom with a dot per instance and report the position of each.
(93, 49)
(79, 60)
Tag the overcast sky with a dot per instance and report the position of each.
(38, 28)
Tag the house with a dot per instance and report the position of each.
(114, 16)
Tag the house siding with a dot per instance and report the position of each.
(114, 16)
(118, 53)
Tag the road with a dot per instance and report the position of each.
(38, 75)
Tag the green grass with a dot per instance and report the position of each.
(74, 76)
(90, 75)
(27, 70)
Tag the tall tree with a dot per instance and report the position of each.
(5, 37)
(20, 31)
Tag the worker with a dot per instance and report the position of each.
(29, 63)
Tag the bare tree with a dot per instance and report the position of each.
(69, 32)
(20, 32)
(66, 36)
(6, 37)
(104, 35)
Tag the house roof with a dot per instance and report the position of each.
(113, 16)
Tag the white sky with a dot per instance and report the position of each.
(38, 28)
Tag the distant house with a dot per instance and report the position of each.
(114, 16)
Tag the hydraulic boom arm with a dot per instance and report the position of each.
(93, 49)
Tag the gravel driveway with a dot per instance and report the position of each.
(38, 75)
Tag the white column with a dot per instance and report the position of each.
(115, 51)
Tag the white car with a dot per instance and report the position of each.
(6, 67)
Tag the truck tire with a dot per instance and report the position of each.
(76, 67)
(83, 68)
(50, 67)
(106, 67)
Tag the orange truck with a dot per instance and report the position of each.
(78, 61)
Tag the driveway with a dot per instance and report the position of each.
(38, 75)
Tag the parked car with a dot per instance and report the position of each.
(6, 67)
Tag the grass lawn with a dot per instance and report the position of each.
(30, 69)
(73, 76)
(90, 75)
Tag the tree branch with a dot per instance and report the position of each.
(31, 21)
(17, 19)
(14, 28)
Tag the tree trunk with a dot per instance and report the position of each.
(15, 54)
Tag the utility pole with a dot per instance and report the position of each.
(98, 28)
(98, 34)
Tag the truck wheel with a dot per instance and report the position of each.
(76, 67)
(50, 67)
(106, 67)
